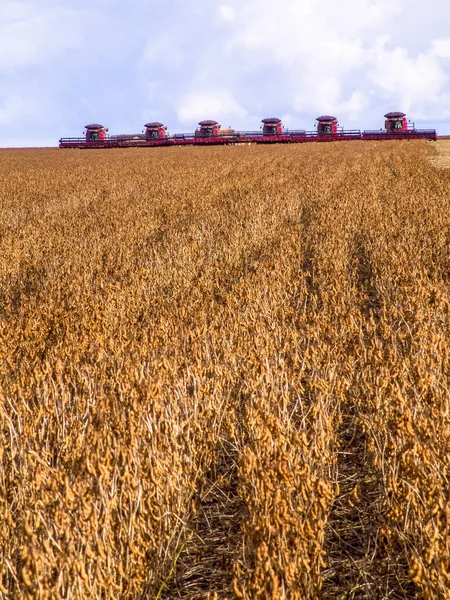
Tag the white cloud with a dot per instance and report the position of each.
(320, 55)
(226, 12)
(197, 105)
(30, 35)
(354, 106)
(303, 57)
(441, 47)
(413, 82)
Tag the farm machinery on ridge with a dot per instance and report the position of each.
(210, 133)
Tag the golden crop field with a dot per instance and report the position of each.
(224, 373)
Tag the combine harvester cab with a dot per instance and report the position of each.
(272, 126)
(328, 130)
(96, 133)
(397, 127)
(156, 134)
(326, 125)
(155, 131)
(210, 133)
(208, 129)
(95, 136)
(272, 131)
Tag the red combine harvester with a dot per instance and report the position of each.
(208, 129)
(397, 127)
(327, 125)
(155, 131)
(95, 132)
(210, 133)
(328, 130)
(272, 126)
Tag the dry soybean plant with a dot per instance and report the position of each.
(224, 373)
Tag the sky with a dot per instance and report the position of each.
(121, 63)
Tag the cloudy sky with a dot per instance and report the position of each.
(65, 63)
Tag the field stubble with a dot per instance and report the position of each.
(224, 373)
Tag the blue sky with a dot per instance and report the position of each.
(66, 63)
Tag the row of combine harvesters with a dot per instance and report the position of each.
(397, 127)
